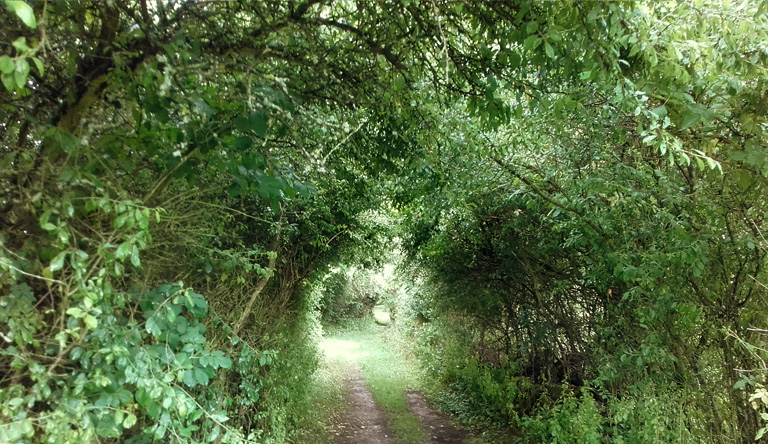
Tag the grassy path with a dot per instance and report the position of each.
(368, 390)
(387, 368)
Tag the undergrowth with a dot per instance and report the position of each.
(326, 394)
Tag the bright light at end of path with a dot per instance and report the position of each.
(339, 348)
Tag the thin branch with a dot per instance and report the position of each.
(343, 141)
(374, 46)
(554, 201)
(7, 264)
(260, 285)
(222, 207)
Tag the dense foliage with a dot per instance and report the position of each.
(581, 186)
(154, 149)
(603, 251)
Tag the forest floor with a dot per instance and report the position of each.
(371, 390)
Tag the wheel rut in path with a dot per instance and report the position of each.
(439, 427)
(364, 422)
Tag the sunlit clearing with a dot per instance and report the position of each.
(339, 348)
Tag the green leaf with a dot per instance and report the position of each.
(256, 122)
(120, 221)
(399, 82)
(129, 421)
(123, 251)
(90, 322)
(39, 64)
(135, 260)
(6, 64)
(153, 327)
(554, 35)
(223, 362)
(21, 44)
(124, 396)
(171, 314)
(659, 112)
(242, 143)
(8, 81)
(196, 414)
(153, 410)
(22, 11)
(549, 50)
(593, 14)
(202, 106)
(220, 416)
(241, 124)
(65, 139)
(201, 376)
(141, 218)
(214, 434)
(22, 73)
(20, 79)
(690, 120)
(76, 312)
(743, 178)
(182, 358)
(531, 43)
(189, 378)
(58, 262)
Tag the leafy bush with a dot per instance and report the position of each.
(652, 413)
(347, 293)
(571, 420)
(139, 372)
(476, 392)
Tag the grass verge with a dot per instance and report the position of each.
(326, 396)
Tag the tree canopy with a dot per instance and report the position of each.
(578, 189)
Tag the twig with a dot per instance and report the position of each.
(442, 35)
(343, 141)
(222, 207)
(2, 261)
(758, 282)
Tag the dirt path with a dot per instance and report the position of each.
(365, 423)
(436, 424)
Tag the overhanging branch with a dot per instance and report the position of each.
(555, 202)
